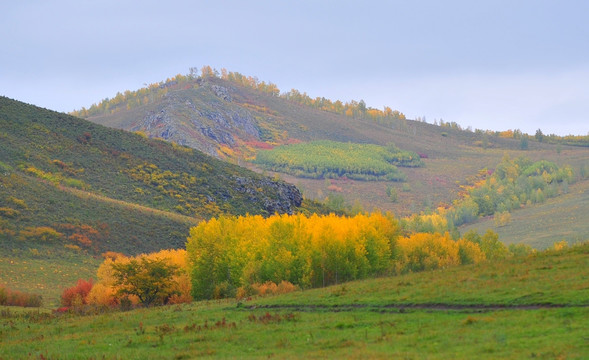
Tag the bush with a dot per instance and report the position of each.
(267, 288)
(9, 212)
(224, 290)
(502, 218)
(77, 295)
(101, 294)
(521, 249)
(16, 298)
(44, 234)
(148, 279)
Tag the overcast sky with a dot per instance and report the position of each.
(486, 64)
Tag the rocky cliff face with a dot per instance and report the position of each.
(202, 119)
(287, 198)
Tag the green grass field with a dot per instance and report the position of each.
(533, 307)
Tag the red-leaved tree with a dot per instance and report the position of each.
(76, 295)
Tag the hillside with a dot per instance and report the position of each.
(526, 307)
(565, 217)
(234, 117)
(68, 181)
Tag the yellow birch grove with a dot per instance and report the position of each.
(246, 255)
(230, 254)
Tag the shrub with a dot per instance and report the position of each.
(156, 278)
(41, 234)
(521, 249)
(81, 239)
(101, 294)
(112, 255)
(492, 247)
(267, 288)
(17, 298)
(502, 218)
(77, 295)
(424, 251)
(560, 245)
(8, 212)
(469, 252)
(224, 290)
(3, 295)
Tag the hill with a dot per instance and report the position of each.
(527, 307)
(70, 188)
(233, 117)
(565, 217)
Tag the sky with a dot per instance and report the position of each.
(492, 65)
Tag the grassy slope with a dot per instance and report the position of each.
(115, 180)
(565, 217)
(48, 268)
(105, 159)
(355, 320)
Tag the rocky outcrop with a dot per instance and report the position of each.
(221, 92)
(287, 198)
(199, 123)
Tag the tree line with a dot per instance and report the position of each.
(152, 92)
(248, 255)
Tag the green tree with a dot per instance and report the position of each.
(492, 247)
(150, 280)
(539, 135)
(362, 106)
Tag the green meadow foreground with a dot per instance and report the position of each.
(525, 307)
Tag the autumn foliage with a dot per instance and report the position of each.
(252, 255)
(10, 297)
(77, 295)
(229, 254)
(119, 276)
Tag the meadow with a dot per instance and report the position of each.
(535, 309)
